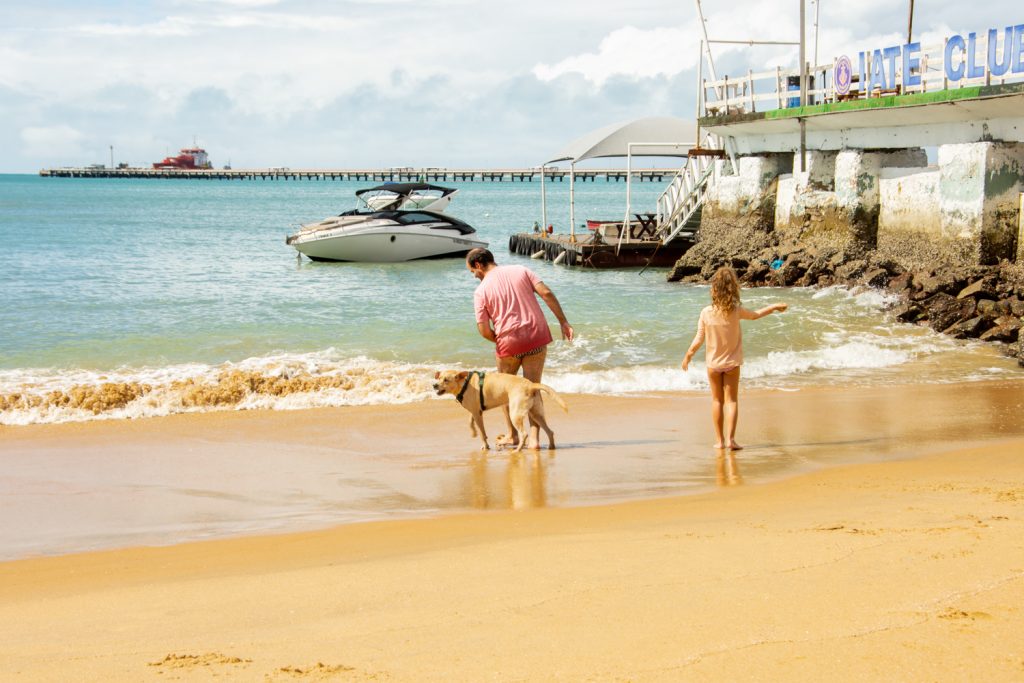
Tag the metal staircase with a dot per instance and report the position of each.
(681, 204)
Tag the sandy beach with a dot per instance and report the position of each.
(888, 547)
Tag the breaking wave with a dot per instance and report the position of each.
(328, 379)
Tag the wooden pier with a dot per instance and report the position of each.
(593, 251)
(368, 175)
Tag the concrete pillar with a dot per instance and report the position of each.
(979, 188)
(749, 196)
(857, 193)
(820, 172)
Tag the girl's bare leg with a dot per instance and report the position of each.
(715, 380)
(731, 389)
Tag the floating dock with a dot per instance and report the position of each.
(369, 175)
(587, 252)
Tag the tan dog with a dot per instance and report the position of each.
(478, 391)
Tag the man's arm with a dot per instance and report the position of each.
(545, 293)
(486, 332)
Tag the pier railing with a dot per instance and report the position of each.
(779, 89)
(369, 175)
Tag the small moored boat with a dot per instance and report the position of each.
(401, 222)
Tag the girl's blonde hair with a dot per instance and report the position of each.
(725, 290)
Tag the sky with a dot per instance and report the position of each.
(382, 83)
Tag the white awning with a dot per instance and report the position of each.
(614, 140)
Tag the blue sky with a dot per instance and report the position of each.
(344, 84)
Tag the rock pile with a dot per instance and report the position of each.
(977, 302)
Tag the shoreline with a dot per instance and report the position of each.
(79, 487)
(854, 571)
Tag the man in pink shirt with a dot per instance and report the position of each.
(507, 313)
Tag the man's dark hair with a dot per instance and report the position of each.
(479, 257)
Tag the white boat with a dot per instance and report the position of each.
(390, 234)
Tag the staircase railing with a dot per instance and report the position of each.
(684, 196)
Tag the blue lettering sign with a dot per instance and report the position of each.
(891, 53)
(1018, 49)
(877, 72)
(974, 70)
(911, 65)
(863, 79)
(954, 73)
(996, 67)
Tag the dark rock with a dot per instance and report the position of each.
(683, 270)
(851, 271)
(876, 277)
(1017, 307)
(987, 308)
(971, 328)
(756, 273)
(837, 259)
(888, 265)
(739, 263)
(908, 313)
(980, 289)
(1006, 330)
(901, 282)
(1003, 307)
(945, 310)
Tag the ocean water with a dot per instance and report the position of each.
(134, 298)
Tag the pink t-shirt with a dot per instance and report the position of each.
(506, 298)
(723, 337)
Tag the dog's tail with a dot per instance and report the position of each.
(552, 393)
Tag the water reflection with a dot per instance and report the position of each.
(726, 470)
(518, 481)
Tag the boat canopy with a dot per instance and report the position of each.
(406, 189)
(654, 136)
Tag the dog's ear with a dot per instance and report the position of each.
(463, 375)
(437, 375)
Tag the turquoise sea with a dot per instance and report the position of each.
(132, 298)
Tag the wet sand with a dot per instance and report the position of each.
(906, 565)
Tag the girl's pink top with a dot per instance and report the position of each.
(506, 298)
(723, 337)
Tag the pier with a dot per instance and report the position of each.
(919, 158)
(368, 175)
(602, 248)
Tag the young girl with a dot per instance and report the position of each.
(719, 325)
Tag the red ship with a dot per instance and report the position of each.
(190, 157)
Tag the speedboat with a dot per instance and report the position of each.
(385, 231)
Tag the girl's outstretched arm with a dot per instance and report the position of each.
(747, 314)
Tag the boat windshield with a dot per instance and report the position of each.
(416, 217)
(402, 196)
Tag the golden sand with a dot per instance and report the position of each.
(898, 570)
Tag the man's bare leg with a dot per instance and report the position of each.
(509, 366)
(533, 370)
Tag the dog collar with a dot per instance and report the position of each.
(462, 391)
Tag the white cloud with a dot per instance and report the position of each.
(51, 142)
(628, 52)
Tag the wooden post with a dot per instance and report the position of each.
(778, 84)
(750, 86)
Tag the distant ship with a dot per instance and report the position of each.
(190, 157)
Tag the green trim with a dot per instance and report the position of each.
(889, 101)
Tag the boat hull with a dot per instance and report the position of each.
(387, 247)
